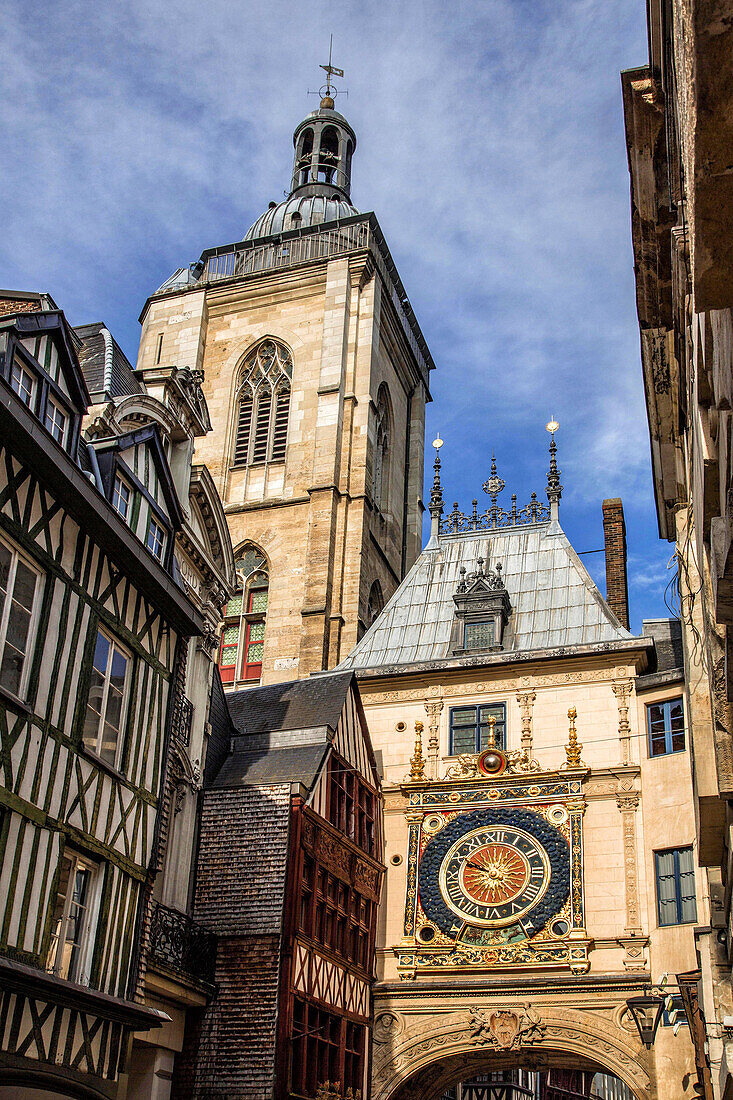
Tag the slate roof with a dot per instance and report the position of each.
(297, 705)
(281, 732)
(667, 664)
(555, 604)
(92, 358)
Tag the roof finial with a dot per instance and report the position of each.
(330, 70)
(554, 488)
(436, 493)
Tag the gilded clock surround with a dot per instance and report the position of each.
(465, 836)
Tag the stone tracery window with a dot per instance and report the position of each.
(263, 405)
(243, 635)
(375, 603)
(380, 475)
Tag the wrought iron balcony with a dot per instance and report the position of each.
(308, 245)
(180, 945)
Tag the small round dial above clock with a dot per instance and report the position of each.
(494, 871)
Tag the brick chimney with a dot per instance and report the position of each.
(617, 585)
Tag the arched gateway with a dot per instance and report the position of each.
(419, 1057)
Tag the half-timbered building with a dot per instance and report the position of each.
(288, 877)
(155, 416)
(95, 620)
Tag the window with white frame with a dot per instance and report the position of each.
(20, 586)
(155, 540)
(23, 382)
(107, 700)
(675, 873)
(121, 497)
(69, 954)
(56, 421)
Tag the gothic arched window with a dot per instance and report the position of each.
(380, 476)
(375, 603)
(243, 635)
(263, 405)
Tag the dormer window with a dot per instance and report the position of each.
(482, 611)
(155, 540)
(56, 420)
(121, 495)
(23, 383)
(480, 635)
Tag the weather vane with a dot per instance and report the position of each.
(330, 70)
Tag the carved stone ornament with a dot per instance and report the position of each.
(506, 1029)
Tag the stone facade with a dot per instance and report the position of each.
(678, 124)
(335, 517)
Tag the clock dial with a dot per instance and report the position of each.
(492, 876)
(494, 872)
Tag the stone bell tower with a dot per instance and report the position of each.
(316, 376)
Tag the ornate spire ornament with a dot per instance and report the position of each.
(417, 760)
(573, 747)
(491, 735)
(457, 522)
(554, 488)
(436, 493)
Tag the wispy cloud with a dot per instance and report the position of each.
(490, 145)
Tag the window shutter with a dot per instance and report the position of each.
(262, 426)
(280, 435)
(244, 423)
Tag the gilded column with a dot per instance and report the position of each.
(622, 690)
(433, 711)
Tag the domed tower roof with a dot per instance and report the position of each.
(320, 186)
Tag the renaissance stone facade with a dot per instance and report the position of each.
(542, 727)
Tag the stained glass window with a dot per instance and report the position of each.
(243, 636)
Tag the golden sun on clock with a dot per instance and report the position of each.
(494, 875)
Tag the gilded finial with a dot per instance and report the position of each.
(436, 493)
(573, 748)
(491, 736)
(417, 760)
(554, 488)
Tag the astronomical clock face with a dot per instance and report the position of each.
(494, 875)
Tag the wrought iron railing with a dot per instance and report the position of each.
(317, 243)
(179, 944)
(494, 517)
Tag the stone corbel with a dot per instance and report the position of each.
(622, 689)
(634, 952)
(433, 710)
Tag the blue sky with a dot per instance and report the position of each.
(490, 145)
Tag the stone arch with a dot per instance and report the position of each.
(422, 1059)
(383, 435)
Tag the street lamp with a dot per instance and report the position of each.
(646, 1012)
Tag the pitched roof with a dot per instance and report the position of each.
(118, 380)
(282, 732)
(296, 705)
(555, 604)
